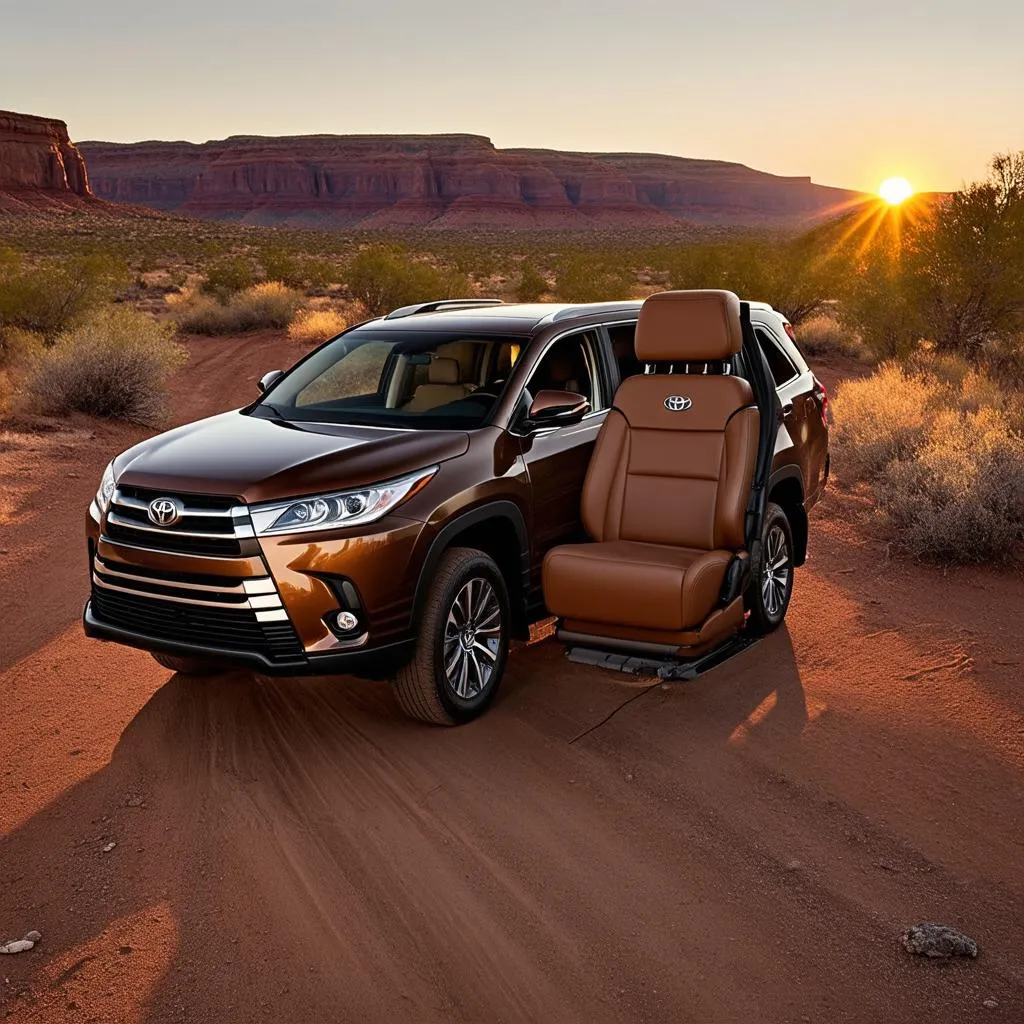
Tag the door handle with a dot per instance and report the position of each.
(787, 408)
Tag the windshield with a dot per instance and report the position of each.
(425, 380)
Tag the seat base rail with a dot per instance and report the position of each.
(653, 662)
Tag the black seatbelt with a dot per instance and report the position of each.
(770, 410)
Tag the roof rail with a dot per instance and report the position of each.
(433, 307)
(582, 308)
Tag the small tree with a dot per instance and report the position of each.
(969, 261)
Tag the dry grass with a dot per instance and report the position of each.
(270, 305)
(114, 365)
(881, 418)
(825, 336)
(313, 326)
(943, 446)
(18, 346)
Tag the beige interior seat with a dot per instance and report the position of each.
(664, 501)
(443, 385)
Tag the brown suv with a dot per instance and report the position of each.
(385, 506)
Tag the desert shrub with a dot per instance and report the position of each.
(312, 326)
(882, 418)
(943, 445)
(114, 365)
(18, 346)
(281, 264)
(592, 277)
(825, 336)
(532, 284)
(961, 498)
(228, 274)
(55, 295)
(269, 305)
(384, 278)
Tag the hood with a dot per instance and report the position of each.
(265, 460)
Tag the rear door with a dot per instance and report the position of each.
(801, 413)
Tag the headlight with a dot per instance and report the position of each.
(346, 508)
(107, 485)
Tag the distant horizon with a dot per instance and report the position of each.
(846, 94)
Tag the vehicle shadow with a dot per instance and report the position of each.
(278, 814)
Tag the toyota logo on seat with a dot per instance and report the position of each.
(677, 403)
(164, 511)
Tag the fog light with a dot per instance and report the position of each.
(345, 621)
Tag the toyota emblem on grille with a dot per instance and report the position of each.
(164, 511)
(677, 403)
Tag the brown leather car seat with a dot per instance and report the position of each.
(665, 495)
(443, 386)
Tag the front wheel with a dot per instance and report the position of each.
(463, 642)
(771, 584)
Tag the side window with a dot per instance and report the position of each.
(570, 365)
(623, 337)
(778, 362)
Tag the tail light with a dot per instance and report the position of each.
(789, 331)
(821, 394)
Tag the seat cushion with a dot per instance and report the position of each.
(628, 583)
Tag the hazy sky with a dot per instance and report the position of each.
(847, 93)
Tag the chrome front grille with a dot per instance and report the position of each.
(255, 594)
(216, 611)
(210, 525)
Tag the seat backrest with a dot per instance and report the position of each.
(443, 386)
(674, 461)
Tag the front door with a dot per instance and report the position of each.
(557, 458)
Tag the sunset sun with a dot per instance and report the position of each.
(895, 190)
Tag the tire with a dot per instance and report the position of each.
(181, 663)
(454, 675)
(771, 582)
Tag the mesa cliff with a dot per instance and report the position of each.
(39, 165)
(444, 181)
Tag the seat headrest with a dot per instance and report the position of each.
(443, 371)
(689, 327)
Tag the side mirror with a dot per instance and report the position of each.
(268, 380)
(556, 409)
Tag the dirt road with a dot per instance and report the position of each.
(743, 848)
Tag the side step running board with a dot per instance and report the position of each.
(664, 668)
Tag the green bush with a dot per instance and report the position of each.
(296, 271)
(592, 277)
(532, 284)
(56, 295)
(228, 274)
(266, 306)
(384, 278)
(115, 365)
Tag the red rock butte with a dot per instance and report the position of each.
(39, 166)
(445, 181)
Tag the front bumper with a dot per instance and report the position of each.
(372, 663)
(259, 603)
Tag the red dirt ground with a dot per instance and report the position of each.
(743, 848)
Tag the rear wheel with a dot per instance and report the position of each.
(463, 642)
(771, 584)
(181, 663)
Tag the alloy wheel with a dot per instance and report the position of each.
(472, 638)
(776, 573)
